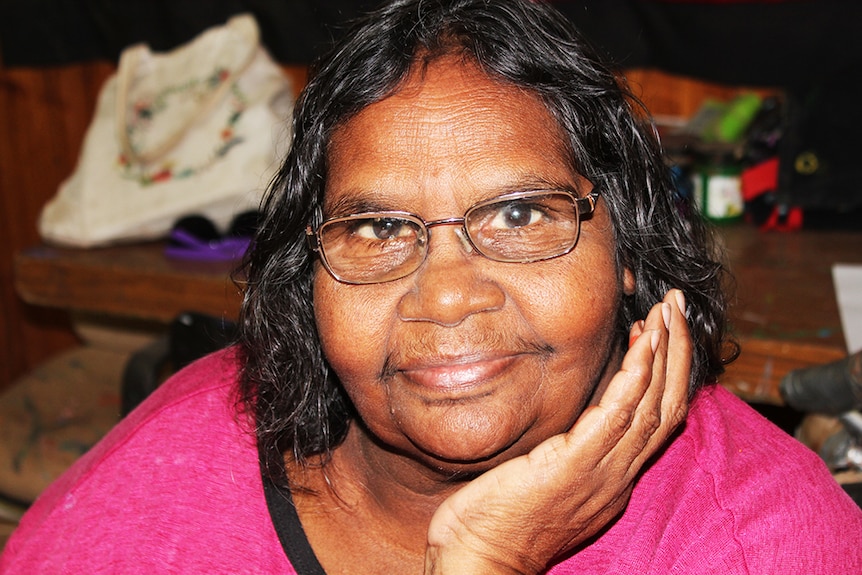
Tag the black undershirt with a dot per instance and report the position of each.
(289, 529)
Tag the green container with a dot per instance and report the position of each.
(718, 193)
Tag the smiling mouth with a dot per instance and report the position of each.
(458, 374)
(461, 373)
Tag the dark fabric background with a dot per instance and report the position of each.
(754, 42)
(810, 48)
(45, 32)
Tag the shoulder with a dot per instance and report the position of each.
(160, 490)
(732, 494)
(756, 496)
(744, 453)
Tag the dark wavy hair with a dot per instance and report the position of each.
(296, 399)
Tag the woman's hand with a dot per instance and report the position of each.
(517, 517)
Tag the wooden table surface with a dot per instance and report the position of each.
(784, 314)
(133, 281)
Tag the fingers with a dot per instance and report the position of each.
(679, 358)
(665, 401)
(643, 365)
(647, 398)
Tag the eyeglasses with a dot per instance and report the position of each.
(520, 227)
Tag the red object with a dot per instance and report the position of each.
(781, 221)
(759, 179)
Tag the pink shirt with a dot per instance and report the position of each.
(176, 488)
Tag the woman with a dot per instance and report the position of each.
(476, 316)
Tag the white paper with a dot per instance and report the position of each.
(848, 290)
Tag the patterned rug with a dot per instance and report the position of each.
(54, 414)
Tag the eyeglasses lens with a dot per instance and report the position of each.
(524, 229)
(361, 249)
(381, 247)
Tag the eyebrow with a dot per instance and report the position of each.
(360, 201)
(356, 203)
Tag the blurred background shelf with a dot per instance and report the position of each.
(784, 313)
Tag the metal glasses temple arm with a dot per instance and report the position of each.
(587, 204)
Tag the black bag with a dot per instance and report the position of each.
(190, 336)
(819, 156)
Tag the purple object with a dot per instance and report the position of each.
(186, 246)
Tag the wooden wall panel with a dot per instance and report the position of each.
(673, 96)
(43, 116)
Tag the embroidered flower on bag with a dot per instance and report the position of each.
(146, 110)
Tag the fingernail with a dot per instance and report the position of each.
(655, 336)
(665, 314)
(680, 301)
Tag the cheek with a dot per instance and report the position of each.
(352, 326)
(578, 293)
(574, 306)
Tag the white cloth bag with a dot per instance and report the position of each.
(197, 130)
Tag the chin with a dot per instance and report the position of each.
(466, 461)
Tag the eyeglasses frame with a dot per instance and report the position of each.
(584, 206)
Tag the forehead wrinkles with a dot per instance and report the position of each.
(454, 85)
(440, 118)
(461, 110)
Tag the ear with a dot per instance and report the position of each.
(629, 283)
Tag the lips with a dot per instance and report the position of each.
(461, 364)
(460, 373)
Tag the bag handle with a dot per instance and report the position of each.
(129, 61)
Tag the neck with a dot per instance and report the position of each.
(362, 473)
(384, 499)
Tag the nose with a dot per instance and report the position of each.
(450, 286)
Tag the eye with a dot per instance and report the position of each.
(517, 214)
(380, 228)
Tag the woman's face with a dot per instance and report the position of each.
(466, 362)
